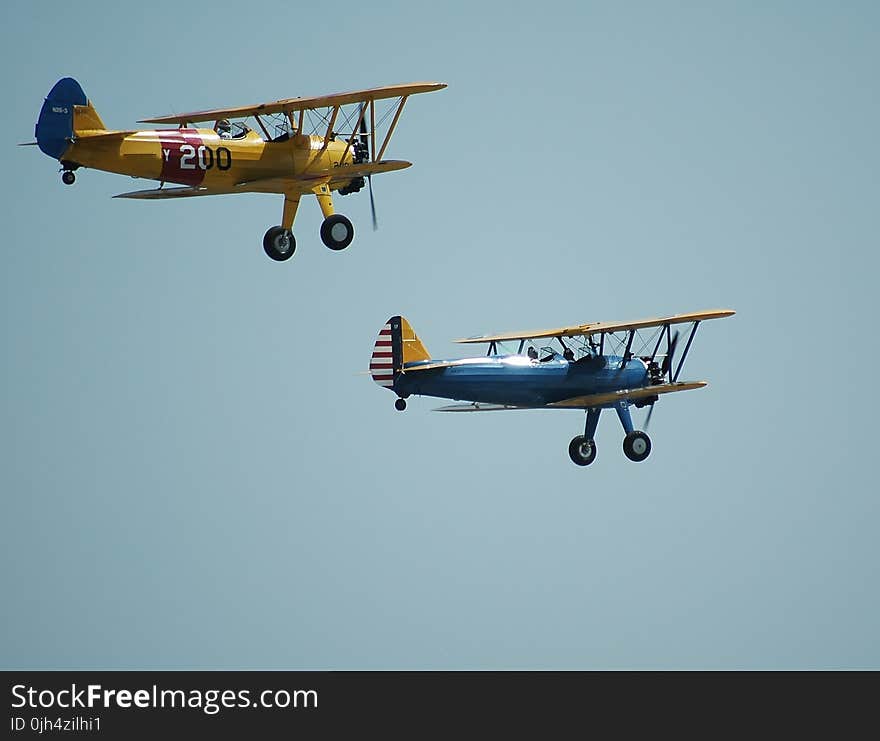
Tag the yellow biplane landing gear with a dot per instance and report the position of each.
(68, 177)
(337, 232)
(279, 244)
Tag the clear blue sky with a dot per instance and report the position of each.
(195, 475)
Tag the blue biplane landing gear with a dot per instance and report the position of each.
(400, 404)
(582, 451)
(279, 244)
(337, 232)
(637, 445)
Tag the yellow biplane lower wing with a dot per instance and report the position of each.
(304, 182)
(584, 402)
(300, 184)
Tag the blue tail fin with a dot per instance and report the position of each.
(55, 126)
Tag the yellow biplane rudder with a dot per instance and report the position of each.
(66, 114)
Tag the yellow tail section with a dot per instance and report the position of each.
(412, 346)
(86, 120)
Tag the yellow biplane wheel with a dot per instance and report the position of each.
(68, 178)
(337, 232)
(582, 451)
(279, 244)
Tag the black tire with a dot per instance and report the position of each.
(582, 451)
(337, 232)
(637, 446)
(279, 244)
(68, 177)
(400, 405)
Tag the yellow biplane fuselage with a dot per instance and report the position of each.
(199, 157)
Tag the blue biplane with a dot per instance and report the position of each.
(597, 366)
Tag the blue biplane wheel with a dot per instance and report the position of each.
(637, 446)
(68, 177)
(582, 451)
(400, 405)
(337, 232)
(279, 244)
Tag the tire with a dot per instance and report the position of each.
(400, 404)
(68, 178)
(637, 446)
(337, 232)
(279, 244)
(582, 451)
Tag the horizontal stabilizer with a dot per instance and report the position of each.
(103, 135)
(612, 397)
(433, 365)
(478, 407)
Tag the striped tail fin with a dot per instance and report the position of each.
(396, 345)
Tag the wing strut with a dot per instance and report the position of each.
(357, 127)
(263, 127)
(686, 348)
(626, 353)
(330, 129)
(391, 128)
(657, 346)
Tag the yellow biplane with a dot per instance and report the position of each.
(302, 146)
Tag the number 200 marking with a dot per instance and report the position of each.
(204, 158)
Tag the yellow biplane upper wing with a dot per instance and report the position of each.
(579, 330)
(289, 105)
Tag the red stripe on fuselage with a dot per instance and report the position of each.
(182, 160)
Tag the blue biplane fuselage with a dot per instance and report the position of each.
(518, 380)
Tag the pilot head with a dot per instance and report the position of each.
(224, 128)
